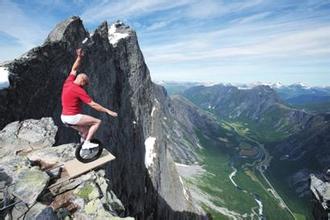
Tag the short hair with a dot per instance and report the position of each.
(84, 77)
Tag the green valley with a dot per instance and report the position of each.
(233, 181)
(234, 193)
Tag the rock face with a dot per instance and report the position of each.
(182, 121)
(143, 175)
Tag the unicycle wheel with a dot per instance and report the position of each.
(87, 160)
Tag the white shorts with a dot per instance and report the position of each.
(71, 119)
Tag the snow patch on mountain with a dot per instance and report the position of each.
(150, 152)
(114, 35)
(4, 80)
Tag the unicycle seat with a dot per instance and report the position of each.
(69, 125)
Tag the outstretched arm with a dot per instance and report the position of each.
(77, 63)
(100, 108)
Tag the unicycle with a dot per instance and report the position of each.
(78, 152)
(96, 152)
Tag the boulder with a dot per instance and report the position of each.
(26, 136)
(48, 157)
(30, 183)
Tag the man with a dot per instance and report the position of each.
(73, 94)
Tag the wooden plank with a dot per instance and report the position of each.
(76, 168)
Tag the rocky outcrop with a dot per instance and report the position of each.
(27, 178)
(321, 191)
(22, 137)
(320, 188)
(120, 80)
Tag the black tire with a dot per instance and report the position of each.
(79, 147)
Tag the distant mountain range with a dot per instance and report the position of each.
(298, 95)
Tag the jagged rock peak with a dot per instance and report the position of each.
(69, 30)
(119, 30)
(102, 29)
(264, 88)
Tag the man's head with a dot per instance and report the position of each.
(82, 79)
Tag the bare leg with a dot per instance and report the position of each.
(89, 122)
(83, 130)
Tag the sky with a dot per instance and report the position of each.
(237, 41)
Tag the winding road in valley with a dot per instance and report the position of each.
(261, 164)
(265, 163)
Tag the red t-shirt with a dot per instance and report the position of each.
(72, 96)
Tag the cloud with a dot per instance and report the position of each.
(205, 9)
(214, 8)
(309, 42)
(107, 10)
(158, 25)
(282, 43)
(252, 18)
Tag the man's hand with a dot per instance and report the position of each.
(80, 52)
(113, 114)
(75, 66)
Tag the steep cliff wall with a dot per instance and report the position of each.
(143, 175)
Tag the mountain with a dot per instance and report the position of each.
(313, 99)
(301, 154)
(259, 106)
(143, 175)
(174, 88)
(294, 90)
(308, 99)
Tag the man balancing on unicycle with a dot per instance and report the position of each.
(73, 94)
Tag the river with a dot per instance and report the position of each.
(256, 196)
